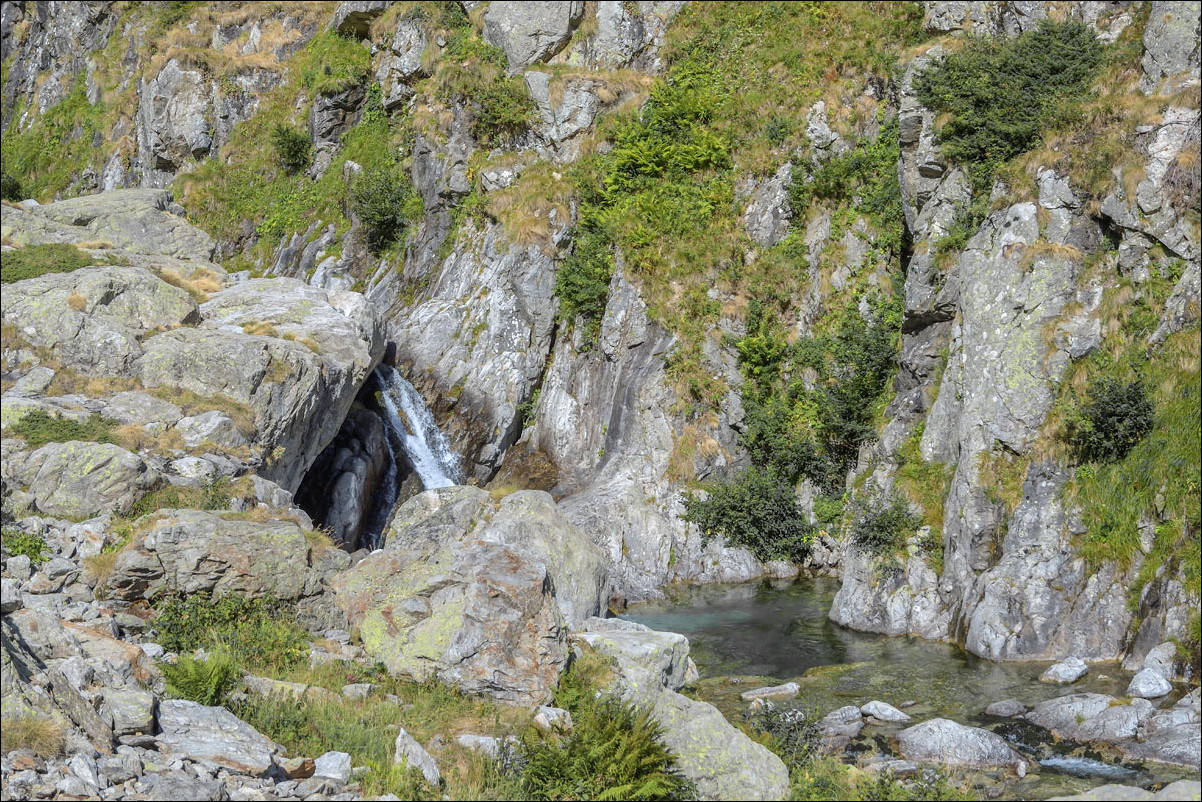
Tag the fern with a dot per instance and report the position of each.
(204, 681)
(613, 753)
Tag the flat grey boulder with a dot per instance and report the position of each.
(82, 480)
(334, 766)
(1065, 714)
(883, 712)
(948, 743)
(411, 753)
(1065, 672)
(786, 691)
(530, 32)
(215, 738)
(135, 220)
(1149, 684)
(192, 551)
(91, 319)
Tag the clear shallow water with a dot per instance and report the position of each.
(766, 632)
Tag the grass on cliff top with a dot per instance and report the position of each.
(32, 261)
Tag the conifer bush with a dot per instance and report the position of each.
(1117, 416)
(292, 146)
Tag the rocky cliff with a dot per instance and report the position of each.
(658, 269)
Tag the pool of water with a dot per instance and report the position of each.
(767, 632)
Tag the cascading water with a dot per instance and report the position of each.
(411, 426)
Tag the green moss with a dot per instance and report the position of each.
(330, 63)
(924, 483)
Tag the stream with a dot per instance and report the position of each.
(761, 633)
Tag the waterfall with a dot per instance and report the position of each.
(410, 425)
(415, 428)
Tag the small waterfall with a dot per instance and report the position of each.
(415, 428)
(411, 427)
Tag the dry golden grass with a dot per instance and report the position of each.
(43, 736)
(94, 245)
(530, 207)
(261, 328)
(99, 567)
(694, 442)
(77, 302)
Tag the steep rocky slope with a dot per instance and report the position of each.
(634, 256)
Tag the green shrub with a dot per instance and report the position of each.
(292, 146)
(757, 510)
(257, 633)
(39, 427)
(612, 753)
(18, 542)
(385, 201)
(501, 109)
(205, 681)
(884, 526)
(37, 260)
(10, 187)
(1001, 93)
(582, 279)
(1117, 416)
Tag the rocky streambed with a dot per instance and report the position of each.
(1070, 737)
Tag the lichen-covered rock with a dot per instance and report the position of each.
(190, 551)
(530, 32)
(1065, 672)
(80, 480)
(354, 17)
(139, 221)
(1171, 51)
(627, 36)
(1149, 684)
(92, 318)
(475, 593)
(948, 743)
(767, 215)
(661, 654)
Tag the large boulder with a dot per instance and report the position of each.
(1170, 61)
(720, 760)
(299, 377)
(91, 319)
(140, 221)
(190, 551)
(948, 743)
(530, 32)
(475, 592)
(215, 738)
(81, 480)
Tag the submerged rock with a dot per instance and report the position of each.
(883, 712)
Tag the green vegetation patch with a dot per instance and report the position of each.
(32, 261)
(18, 542)
(1116, 417)
(256, 634)
(1001, 93)
(39, 427)
(757, 510)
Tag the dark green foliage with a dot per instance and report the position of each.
(612, 754)
(36, 260)
(256, 632)
(1117, 416)
(39, 427)
(796, 736)
(384, 201)
(17, 542)
(885, 525)
(205, 681)
(10, 187)
(582, 279)
(757, 510)
(1001, 93)
(292, 146)
(501, 109)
